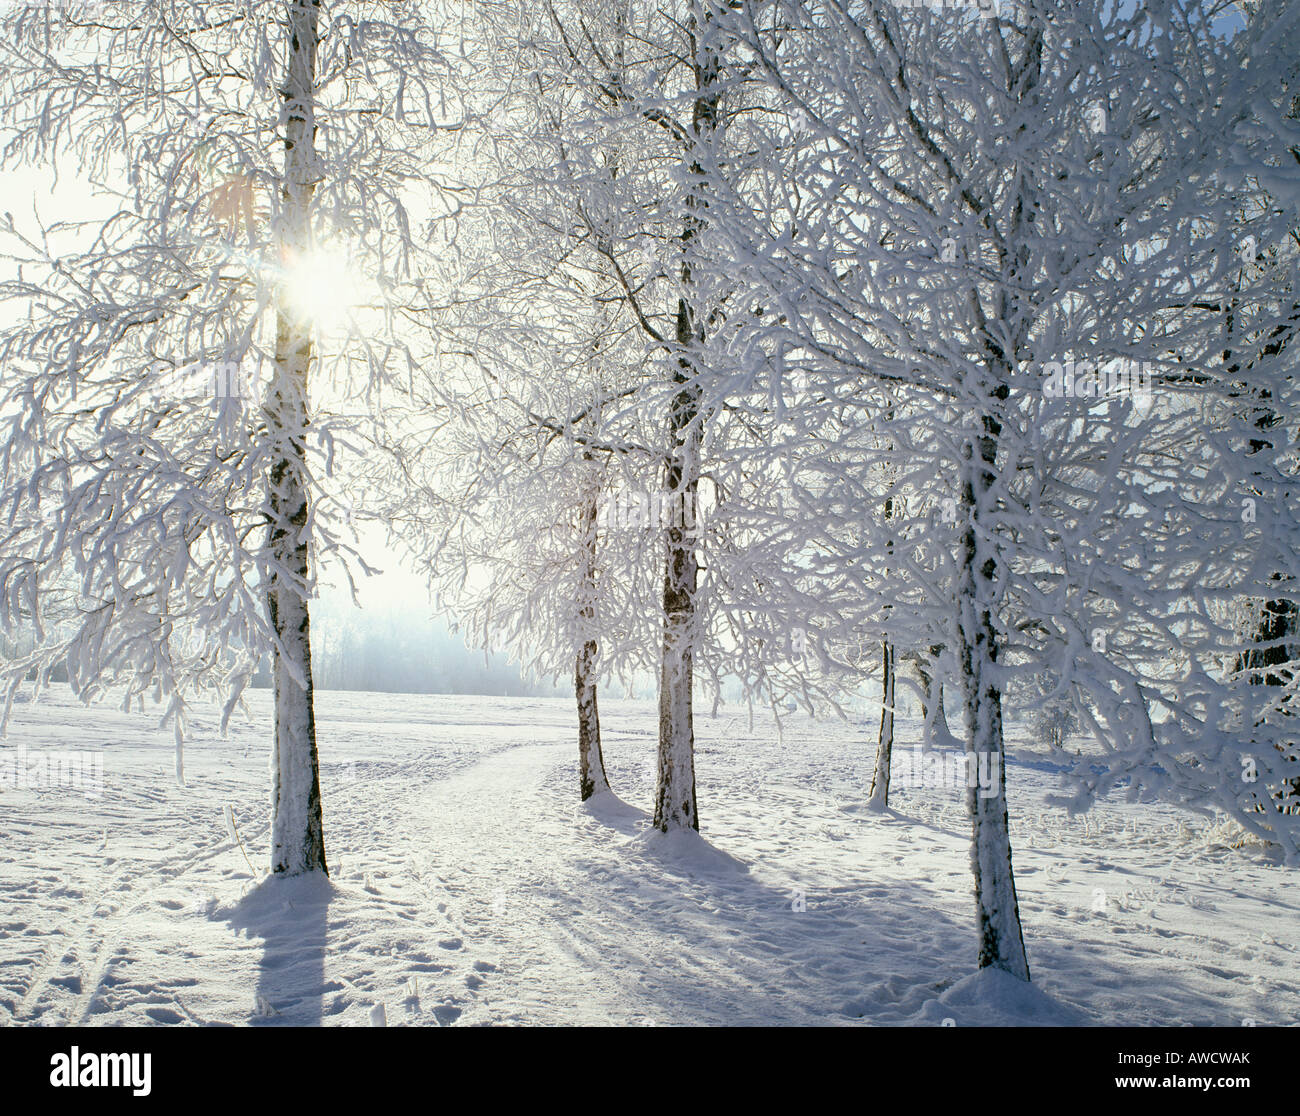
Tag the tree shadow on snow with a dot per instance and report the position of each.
(680, 852)
(700, 937)
(802, 936)
(608, 809)
(290, 916)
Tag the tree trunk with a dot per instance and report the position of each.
(591, 761)
(1001, 942)
(932, 687)
(997, 909)
(297, 837)
(879, 797)
(675, 804)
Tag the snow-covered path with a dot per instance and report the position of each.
(469, 886)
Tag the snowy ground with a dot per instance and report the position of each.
(470, 887)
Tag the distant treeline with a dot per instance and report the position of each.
(403, 652)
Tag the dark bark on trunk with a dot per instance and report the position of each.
(591, 761)
(932, 687)
(675, 805)
(1001, 941)
(997, 907)
(297, 835)
(675, 801)
(879, 795)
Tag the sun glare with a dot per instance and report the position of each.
(325, 289)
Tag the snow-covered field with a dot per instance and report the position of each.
(469, 886)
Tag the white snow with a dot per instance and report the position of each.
(470, 885)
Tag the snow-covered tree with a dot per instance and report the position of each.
(1003, 220)
(736, 584)
(500, 467)
(187, 369)
(563, 376)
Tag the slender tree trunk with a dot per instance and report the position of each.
(932, 687)
(1001, 942)
(297, 837)
(879, 796)
(591, 761)
(675, 804)
(997, 908)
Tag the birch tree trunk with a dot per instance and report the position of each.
(879, 797)
(1001, 942)
(932, 687)
(1276, 629)
(979, 594)
(675, 804)
(591, 761)
(297, 837)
